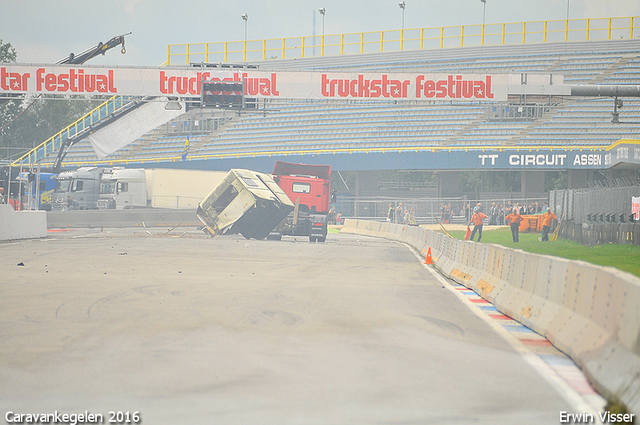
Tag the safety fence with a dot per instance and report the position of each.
(594, 205)
(588, 312)
(601, 234)
(405, 39)
(597, 216)
(431, 209)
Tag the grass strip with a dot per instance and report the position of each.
(623, 257)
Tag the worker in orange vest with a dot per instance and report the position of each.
(514, 220)
(477, 219)
(547, 219)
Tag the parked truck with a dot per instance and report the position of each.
(309, 188)
(123, 188)
(245, 202)
(29, 197)
(79, 189)
(90, 188)
(126, 188)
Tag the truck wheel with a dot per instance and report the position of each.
(274, 237)
(312, 238)
(322, 238)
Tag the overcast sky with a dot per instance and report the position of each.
(45, 31)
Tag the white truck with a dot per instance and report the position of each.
(90, 188)
(77, 190)
(125, 188)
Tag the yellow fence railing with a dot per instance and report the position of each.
(336, 151)
(407, 39)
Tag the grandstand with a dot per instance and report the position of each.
(298, 126)
(565, 121)
(328, 128)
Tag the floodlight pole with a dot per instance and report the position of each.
(322, 11)
(484, 10)
(245, 17)
(402, 6)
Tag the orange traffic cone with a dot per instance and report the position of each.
(428, 260)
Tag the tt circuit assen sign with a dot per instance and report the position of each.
(547, 160)
(187, 82)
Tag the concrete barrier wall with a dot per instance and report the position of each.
(591, 313)
(151, 217)
(21, 224)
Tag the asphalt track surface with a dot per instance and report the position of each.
(195, 330)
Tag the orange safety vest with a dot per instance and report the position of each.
(547, 218)
(477, 218)
(513, 218)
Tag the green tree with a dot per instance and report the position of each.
(489, 181)
(10, 106)
(555, 180)
(7, 53)
(44, 119)
(27, 122)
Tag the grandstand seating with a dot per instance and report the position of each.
(330, 125)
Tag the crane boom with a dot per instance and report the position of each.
(100, 49)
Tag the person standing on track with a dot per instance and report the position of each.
(514, 220)
(547, 219)
(493, 213)
(390, 215)
(399, 213)
(477, 220)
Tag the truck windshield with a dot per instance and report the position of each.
(63, 185)
(107, 188)
(301, 187)
(77, 185)
(225, 199)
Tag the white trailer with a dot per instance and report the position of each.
(180, 189)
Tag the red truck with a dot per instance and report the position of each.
(309, 188)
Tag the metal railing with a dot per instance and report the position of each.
(194, 125)
(429, 210)
(406, 39)
(335, 151)
(54, 142)
(516, 112)
(578, 204)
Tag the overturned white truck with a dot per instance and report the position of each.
(245, 202)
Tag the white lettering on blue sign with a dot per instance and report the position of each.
(623, 153)
(491, 157)
(537, 159)
(588, 159)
